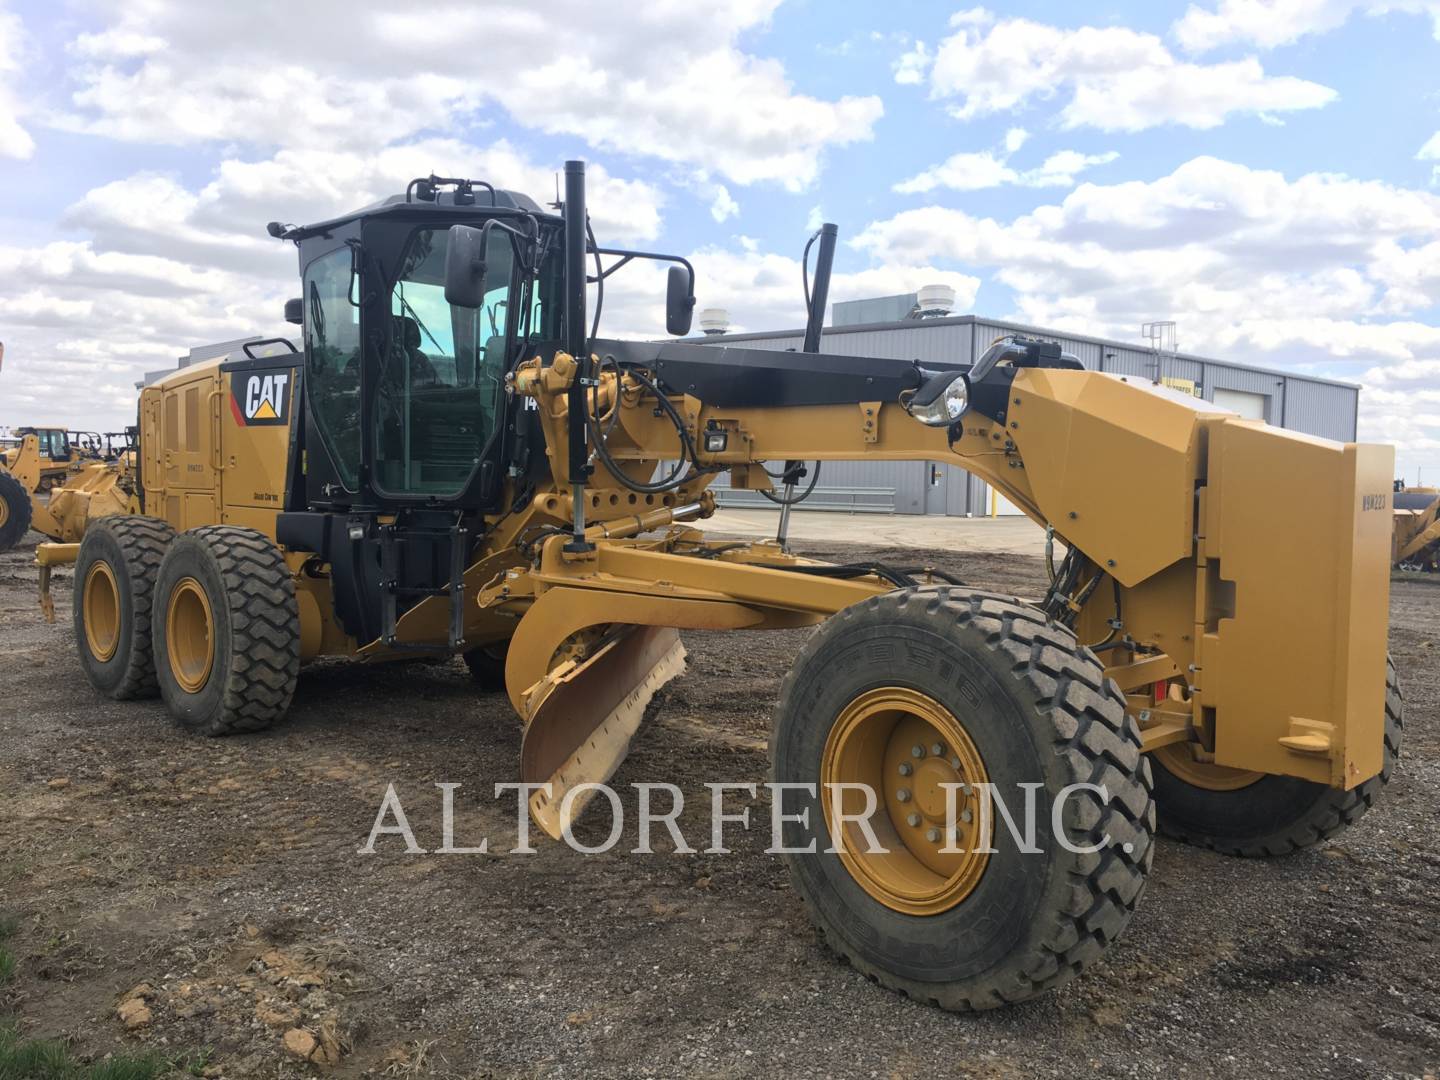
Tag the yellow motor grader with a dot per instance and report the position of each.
(453, 462)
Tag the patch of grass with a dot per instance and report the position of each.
(50, 1059)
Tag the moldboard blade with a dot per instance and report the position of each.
(583, 716)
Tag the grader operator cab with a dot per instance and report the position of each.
(453, 462)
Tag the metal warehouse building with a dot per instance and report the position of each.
(890, 327)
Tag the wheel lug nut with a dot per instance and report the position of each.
(903, 794)
(914, 820)
(917, 751)
(906, 768)
(938, 749)
(965, 816)
(955, 763)
(933, 835)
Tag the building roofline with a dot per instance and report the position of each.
(964, 320)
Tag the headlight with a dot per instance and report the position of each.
(941, 401)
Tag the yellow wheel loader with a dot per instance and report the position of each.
(58, 455)
(453, 462)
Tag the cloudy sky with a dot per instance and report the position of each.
(1264, 172)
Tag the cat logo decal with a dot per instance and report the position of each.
(261, 397)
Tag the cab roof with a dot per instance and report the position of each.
(444, 202)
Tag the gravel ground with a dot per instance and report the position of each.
(224, 876)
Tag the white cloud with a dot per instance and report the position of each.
(967, 171)
(223, 223)
(1431, 150)
(1117, 79)
(977, 170)
(1320, 272)
(15, 141)
(82, 325)
(1269, 24)
(1061, 169)
(910, 68)
(668, 81)
(724, 206)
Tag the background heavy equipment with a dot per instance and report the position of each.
(57, 454)
(93, 485)
(1417, 528)
(455, 463)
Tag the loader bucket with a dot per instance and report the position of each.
(582, 716)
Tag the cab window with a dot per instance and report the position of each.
(441, 372)
(332, 360)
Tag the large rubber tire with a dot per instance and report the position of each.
(254, 638)
(1275, 815)
(15, 511)
(487, 665)
(125, 550)
(1038, 709)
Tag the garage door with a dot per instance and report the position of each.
(1250, 406)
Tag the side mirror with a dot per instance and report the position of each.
(679, 301)
(295, 311)
(465, 267)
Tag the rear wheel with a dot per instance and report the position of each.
(920, 688)
(15, 511)
(115, 576)
(227, 635)
(1253, 814)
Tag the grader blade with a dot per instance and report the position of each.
(581, 718)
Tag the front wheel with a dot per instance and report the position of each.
(917, 689)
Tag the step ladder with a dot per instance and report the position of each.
(395, 542)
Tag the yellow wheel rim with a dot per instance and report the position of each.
(101, 600)
(190, 635)
(4, 513)
(1179, 760)
(904, 746)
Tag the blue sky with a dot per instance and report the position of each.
(1260, 171)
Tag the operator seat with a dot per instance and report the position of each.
(407, 337)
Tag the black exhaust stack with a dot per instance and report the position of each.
(815, 319)
(820, 292)
(577, 344)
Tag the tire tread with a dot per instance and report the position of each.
(264, 627)
(1099, 743)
